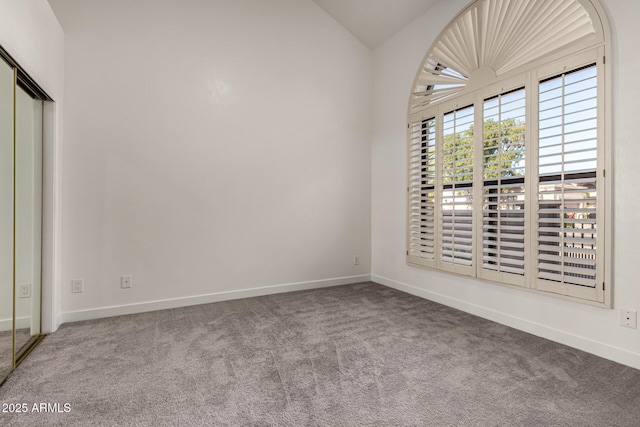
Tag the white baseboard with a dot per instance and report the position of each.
(21, 323)
(143, 307)
(601, 349)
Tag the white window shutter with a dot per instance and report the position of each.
(567, 206)
(456, 190)
(422, 187)
(505, 80)
(502, 36)
(503, 199)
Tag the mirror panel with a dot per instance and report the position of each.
(7, 79)
(28, 196)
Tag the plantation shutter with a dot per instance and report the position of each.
(503, 203)
(422, 201)
(567, 206)
(508, 142)
(456, 195)
(501, 35)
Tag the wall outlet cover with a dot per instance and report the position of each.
(24, 290)
(629, 318)
(77, 286)
(125, 281)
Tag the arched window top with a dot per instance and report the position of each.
(492, 39)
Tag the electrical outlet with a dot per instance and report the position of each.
(77, 286)
(24, 290)
(628, 318)
(125, 281)
(356, 260)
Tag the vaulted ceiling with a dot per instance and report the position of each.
(374, 21)
(370, 21)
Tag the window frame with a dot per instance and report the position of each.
(528, 78)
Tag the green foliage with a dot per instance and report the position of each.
(503, 150)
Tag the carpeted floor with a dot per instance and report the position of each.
(6, 348)
(345, 356)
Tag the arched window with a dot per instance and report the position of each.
(509, 146)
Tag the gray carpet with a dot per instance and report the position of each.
(6, 348)
(344, 356)
(6, 356)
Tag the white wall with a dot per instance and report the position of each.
(590, 328)
(211, 147)
(31, 34)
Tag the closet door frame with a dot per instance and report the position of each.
(44, 204)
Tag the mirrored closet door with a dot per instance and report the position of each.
(21, 112)
(28, 218)
(7, 84)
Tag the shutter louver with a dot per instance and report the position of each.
(457, 188)
(567, 223)
(503, 207)
(422, 177)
